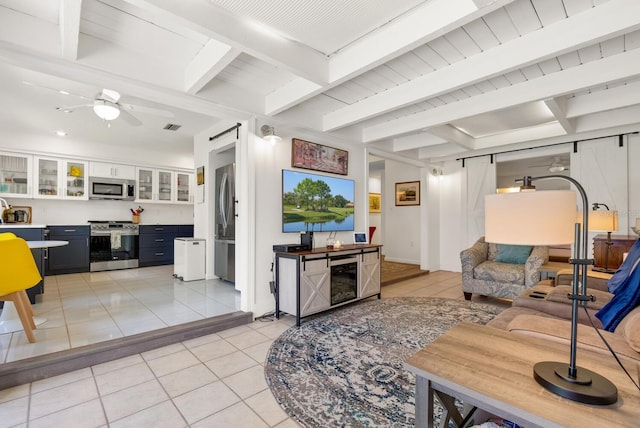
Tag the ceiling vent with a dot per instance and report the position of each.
(172, 127)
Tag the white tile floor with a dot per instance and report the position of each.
(212, 381)
(85, 308)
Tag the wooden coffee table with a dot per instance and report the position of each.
(492, 369)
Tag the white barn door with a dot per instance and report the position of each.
(479, 180)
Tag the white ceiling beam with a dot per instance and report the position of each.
(614, 68)
(416, 141)
(558, 107)
(294, 92)
(210, 61)
(538, 132)
(605, 21)
(440, 150)
(396, 38)
(454, 135)
(243, 34)
(70, 11)
(624, 117)
(609, 99)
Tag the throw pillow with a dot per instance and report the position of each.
(516, 254)
(626, 298)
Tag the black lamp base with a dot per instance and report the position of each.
(588, 387)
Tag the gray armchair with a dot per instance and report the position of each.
(483, 274)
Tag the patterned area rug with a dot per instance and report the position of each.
(345, 367)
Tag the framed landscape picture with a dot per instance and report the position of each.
(375, 203)
(408, 193)
(308, 155)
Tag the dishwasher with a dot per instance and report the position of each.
(189, 258)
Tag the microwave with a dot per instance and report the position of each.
(112, 188)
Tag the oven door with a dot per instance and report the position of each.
(113, 249)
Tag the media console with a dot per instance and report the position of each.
(313, 281)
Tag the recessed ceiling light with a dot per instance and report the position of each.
(61, 133)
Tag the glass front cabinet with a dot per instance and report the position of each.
(184, 187)
(155, 185)
(60, 178)
(15, 175)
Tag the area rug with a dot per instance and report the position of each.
(344, 368)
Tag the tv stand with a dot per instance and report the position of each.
(313, 281)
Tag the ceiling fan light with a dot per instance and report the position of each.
(106, 110)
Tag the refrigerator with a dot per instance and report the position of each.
(225, 227)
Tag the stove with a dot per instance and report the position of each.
(113, 245)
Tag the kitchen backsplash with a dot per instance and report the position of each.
(54, 212)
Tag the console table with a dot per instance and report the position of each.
(492, 369)
(620, 244)
(313, 281)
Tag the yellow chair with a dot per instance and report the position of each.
(18, 272)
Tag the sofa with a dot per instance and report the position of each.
(499, 270)
(544, 311)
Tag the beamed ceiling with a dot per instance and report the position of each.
(426, 80)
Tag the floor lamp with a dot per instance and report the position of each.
(545, 218)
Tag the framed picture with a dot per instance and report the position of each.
(200, 175)
(408, 193)
(375, 203)
(308, 155)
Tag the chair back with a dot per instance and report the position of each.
(18, 270)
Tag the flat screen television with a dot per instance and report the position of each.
(316, 203)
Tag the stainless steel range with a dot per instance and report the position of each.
(113, 245)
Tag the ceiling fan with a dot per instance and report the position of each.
(556, 165)
(107, 106)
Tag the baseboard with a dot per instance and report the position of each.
(41, 367)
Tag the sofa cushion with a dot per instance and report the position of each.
(516, 254)
(629, 327)
(500, 272)
(557, 330)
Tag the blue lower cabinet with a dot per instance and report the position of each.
(71, 258)
(156, 243)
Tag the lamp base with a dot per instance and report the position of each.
(588, 387)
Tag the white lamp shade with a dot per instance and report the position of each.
(531, 218)
(601, 220)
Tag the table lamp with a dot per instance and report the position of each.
(546, 218)
(604, 221)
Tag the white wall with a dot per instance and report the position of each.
(402, 225)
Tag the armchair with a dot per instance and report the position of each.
(485, 272)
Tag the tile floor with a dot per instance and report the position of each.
(212, 381)
(86, 308)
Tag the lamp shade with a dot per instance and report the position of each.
(601, 220)
(531, 218)
(106, 110)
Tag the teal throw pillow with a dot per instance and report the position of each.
(516, 254)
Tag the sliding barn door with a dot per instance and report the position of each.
(479, 180)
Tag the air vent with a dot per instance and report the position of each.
(172, 127)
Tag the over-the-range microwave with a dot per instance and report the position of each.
(112, 188)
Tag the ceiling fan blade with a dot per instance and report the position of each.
(72, 108)
(129, 118)
(110, 95)
(60, 91)
(145, 110)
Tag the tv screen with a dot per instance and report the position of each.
(316, 203)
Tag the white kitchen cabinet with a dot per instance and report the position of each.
(16, 175)
(60, 178)
(185, 183)
(155, 185)
(111, 170)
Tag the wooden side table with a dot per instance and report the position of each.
(550, 269)
(492, 369)
(620, 244)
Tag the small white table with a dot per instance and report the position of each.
(9, 319)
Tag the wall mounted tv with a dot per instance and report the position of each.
(316, 203)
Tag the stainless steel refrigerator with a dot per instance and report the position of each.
(225, 218)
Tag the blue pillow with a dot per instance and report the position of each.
(626, 298)
(516, 254)
(623, 272)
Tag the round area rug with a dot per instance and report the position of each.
(345, 367)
